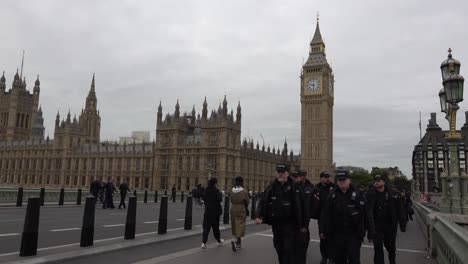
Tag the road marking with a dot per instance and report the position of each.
(198, 226)
(12, 220)
(95, 241)
(150, 222)
(180, 219)
(65, 229)
(365, 246)
(119, 214)
(113, 225)
(11, 234)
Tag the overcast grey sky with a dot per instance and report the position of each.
(385, 55)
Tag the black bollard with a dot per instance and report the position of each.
(165, 193)
(62, 195)
(19, 199)
(145, 199)
(78, 197)
(182, 197)
(131, 218)
(41, 196)
(226, 210)
(155, 196)
(162, 224)
(31, 227)
(252, 210)
(188, 214)
(87, 229)
(135, 193)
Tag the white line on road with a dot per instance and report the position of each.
(65, 229)
(11, 234)
(150, 222)
(95, 241)
(180, 219)
(113, 225)
(365, 246)
(12, 220)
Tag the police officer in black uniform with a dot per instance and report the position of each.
(306, 187)
(281, 207)
(320, 194)
(343, 221)
(385, 212)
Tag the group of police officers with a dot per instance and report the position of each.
(344, 213)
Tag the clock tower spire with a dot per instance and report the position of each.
(317, 100)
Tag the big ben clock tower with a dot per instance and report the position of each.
(317, 92)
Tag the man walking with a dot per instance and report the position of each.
(343, 221)
(281, 208)
(321, 192)
(384, 211)
(123, 188)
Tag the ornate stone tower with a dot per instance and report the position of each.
(90, 120)
(317, 87)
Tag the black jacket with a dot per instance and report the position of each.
(344, 213)
(307, 200)
(281, 203)
(394, 211)
(321, 191)
(212, 199)
(124, 188)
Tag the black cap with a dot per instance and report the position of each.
(342, 175)
(324, 174)
(282, 167)
(380, 177)
(302, 173)
(294, 173)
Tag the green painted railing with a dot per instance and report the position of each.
(447, 240)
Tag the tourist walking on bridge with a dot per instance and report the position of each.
(212, 213)
(123, 188)
(239, 208)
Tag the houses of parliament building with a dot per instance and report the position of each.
(189, 147)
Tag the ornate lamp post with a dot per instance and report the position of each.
(450, 96)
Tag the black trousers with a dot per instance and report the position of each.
(303, 240)
(284, 241)
(324, 247)
(122, 200)
(346, 248)
(108, 202)
(209, 224)
(387, 239)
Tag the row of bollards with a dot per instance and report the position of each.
(31, 224)
(19, 199)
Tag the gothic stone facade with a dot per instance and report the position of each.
(188, 149)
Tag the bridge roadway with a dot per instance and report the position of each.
(59, 231)
(61, 226)
(257, 248)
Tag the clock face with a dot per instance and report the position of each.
(330, 87)
(313, 85)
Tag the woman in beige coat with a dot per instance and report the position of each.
(240, 202)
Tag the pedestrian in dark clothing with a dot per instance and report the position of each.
(342, 221)
(173, 193)
(384, 212)
(407, 205)
(281, 207)
(101, 192)
(109, 191)
(123, 188)
(306, 188)
(321, 192)
(213, 211)
(94, 188)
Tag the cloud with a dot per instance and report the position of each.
(385, 56)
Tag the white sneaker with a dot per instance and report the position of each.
(203, 246)
(221, 241)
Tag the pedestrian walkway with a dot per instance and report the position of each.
(258, 248)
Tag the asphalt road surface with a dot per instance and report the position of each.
(61, 226)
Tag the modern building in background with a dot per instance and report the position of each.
(137, 137)
(431, 156)
(317, 100)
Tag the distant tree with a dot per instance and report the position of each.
(360, 178)
(401, 183)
